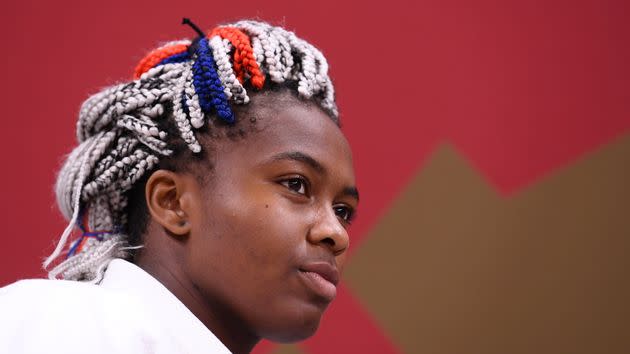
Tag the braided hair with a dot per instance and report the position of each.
(182, 84)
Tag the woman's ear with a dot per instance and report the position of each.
(164, 192)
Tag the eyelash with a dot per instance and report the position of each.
(304, 189)
(303, 183)
(350, 214)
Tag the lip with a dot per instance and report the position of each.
(322, 278)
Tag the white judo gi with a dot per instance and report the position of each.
(128, 312)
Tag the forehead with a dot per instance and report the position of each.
(284, 123)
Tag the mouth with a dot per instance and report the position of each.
(321, 278)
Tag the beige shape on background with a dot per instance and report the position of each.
(287, 349)
(453, 267)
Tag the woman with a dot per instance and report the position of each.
(213, 194)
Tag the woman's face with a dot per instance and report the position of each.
(269, 235)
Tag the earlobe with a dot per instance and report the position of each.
(164, 191)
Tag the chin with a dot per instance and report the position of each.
(294, 328)
(291, 335)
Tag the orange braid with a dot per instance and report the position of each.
(243, 55)
(156, 56)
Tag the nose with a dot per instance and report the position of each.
(328, 231)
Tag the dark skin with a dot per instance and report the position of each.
(254, 248)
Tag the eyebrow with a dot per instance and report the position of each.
(302, 157)
(352, 192)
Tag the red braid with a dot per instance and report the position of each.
(243, 55)
(156, 56)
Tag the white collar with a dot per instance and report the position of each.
(133, 280)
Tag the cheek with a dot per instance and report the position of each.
(256, 237)
(341, 261)
(272, 228)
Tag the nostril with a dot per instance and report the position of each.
(329, 241)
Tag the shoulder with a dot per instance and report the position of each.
(25, 289)
(70, 298)
(64, 316)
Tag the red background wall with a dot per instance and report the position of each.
(519, 88)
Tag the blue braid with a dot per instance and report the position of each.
(98, 235)
(208, 85)
(185, 104)
(74, 247)
(175, 58)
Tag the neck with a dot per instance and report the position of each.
(216, 316)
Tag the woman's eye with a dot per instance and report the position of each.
(297, 185)
(345, 213)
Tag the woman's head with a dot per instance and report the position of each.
(272, 211)
(224, 156)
